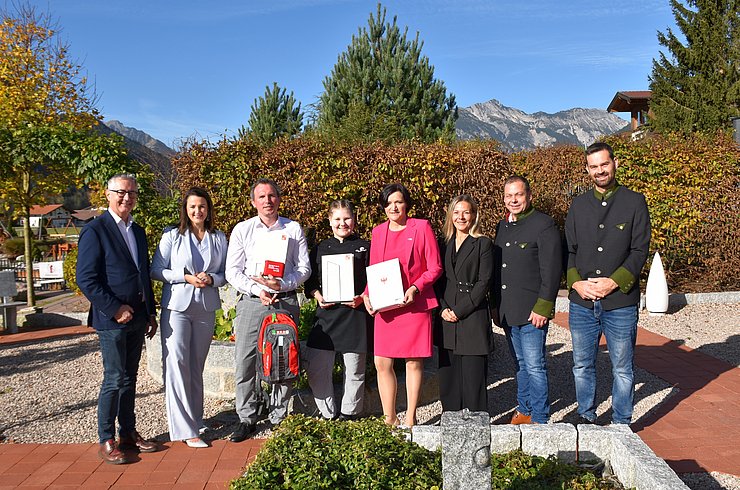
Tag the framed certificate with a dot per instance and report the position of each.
(338, 278)
(384, 285)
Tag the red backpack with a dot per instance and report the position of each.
(278, 358)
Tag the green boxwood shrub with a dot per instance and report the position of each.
(518, 470)
(223, 329)
(306, 453)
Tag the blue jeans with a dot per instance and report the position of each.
(620, 328)
(121, 350)
(527, 347)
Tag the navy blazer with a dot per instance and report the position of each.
(108, 276)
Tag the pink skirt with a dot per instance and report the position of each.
(403, 333)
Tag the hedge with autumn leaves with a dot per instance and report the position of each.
(691, 187)
(312, 172)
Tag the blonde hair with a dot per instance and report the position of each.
(449, 228)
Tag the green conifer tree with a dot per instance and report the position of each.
(697, 88)
(382, 87)
(274, 115)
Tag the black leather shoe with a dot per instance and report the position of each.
(343, 417)
(584, 421)
(242, 432)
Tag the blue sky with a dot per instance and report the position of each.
(178, 68)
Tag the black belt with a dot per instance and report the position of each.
(283, 295)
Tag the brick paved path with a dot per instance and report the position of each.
(696, 430)
(78, 466)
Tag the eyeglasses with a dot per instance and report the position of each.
(122, 193)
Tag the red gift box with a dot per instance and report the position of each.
(274, 269)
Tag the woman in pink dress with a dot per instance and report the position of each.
(404, 332)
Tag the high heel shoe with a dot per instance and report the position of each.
(394, 422)
(196, 442)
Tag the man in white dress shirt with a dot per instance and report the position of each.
(259, 294)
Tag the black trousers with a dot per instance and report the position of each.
(462, 381)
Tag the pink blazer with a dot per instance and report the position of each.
(423, 255)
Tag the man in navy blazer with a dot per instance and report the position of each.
(113, 274)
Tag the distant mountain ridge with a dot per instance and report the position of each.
(518, 130)
(140, 137)
(148, 150)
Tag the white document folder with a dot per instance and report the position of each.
(338, 278)
(385, 285)
(270, 247)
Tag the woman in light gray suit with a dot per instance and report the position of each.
(190, 261)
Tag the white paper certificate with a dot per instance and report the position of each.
(338, 278)
(385, 285)
(273, 247)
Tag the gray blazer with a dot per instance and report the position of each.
(174, 256)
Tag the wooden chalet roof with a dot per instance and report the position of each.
(43, 210)
(630, 101)
(88, 213)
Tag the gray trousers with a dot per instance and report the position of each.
(319, 367)
(249, 314)
(186, 339)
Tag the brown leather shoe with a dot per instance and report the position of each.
(520, 419)
(136, 442)
(110, 453)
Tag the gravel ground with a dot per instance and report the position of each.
(710, 328)
(49, 389)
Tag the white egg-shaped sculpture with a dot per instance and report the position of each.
(656, 291)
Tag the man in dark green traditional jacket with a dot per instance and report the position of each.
(527, 270)
(608, 234)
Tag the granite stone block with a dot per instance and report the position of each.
(466, 450)
(594, 442)
(505, 438)
(427, 436)
(636, 465)
(550, 440)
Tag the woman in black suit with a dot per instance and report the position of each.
(466, 337)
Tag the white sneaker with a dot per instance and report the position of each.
(196, 442)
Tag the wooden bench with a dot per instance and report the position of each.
(7, 305)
